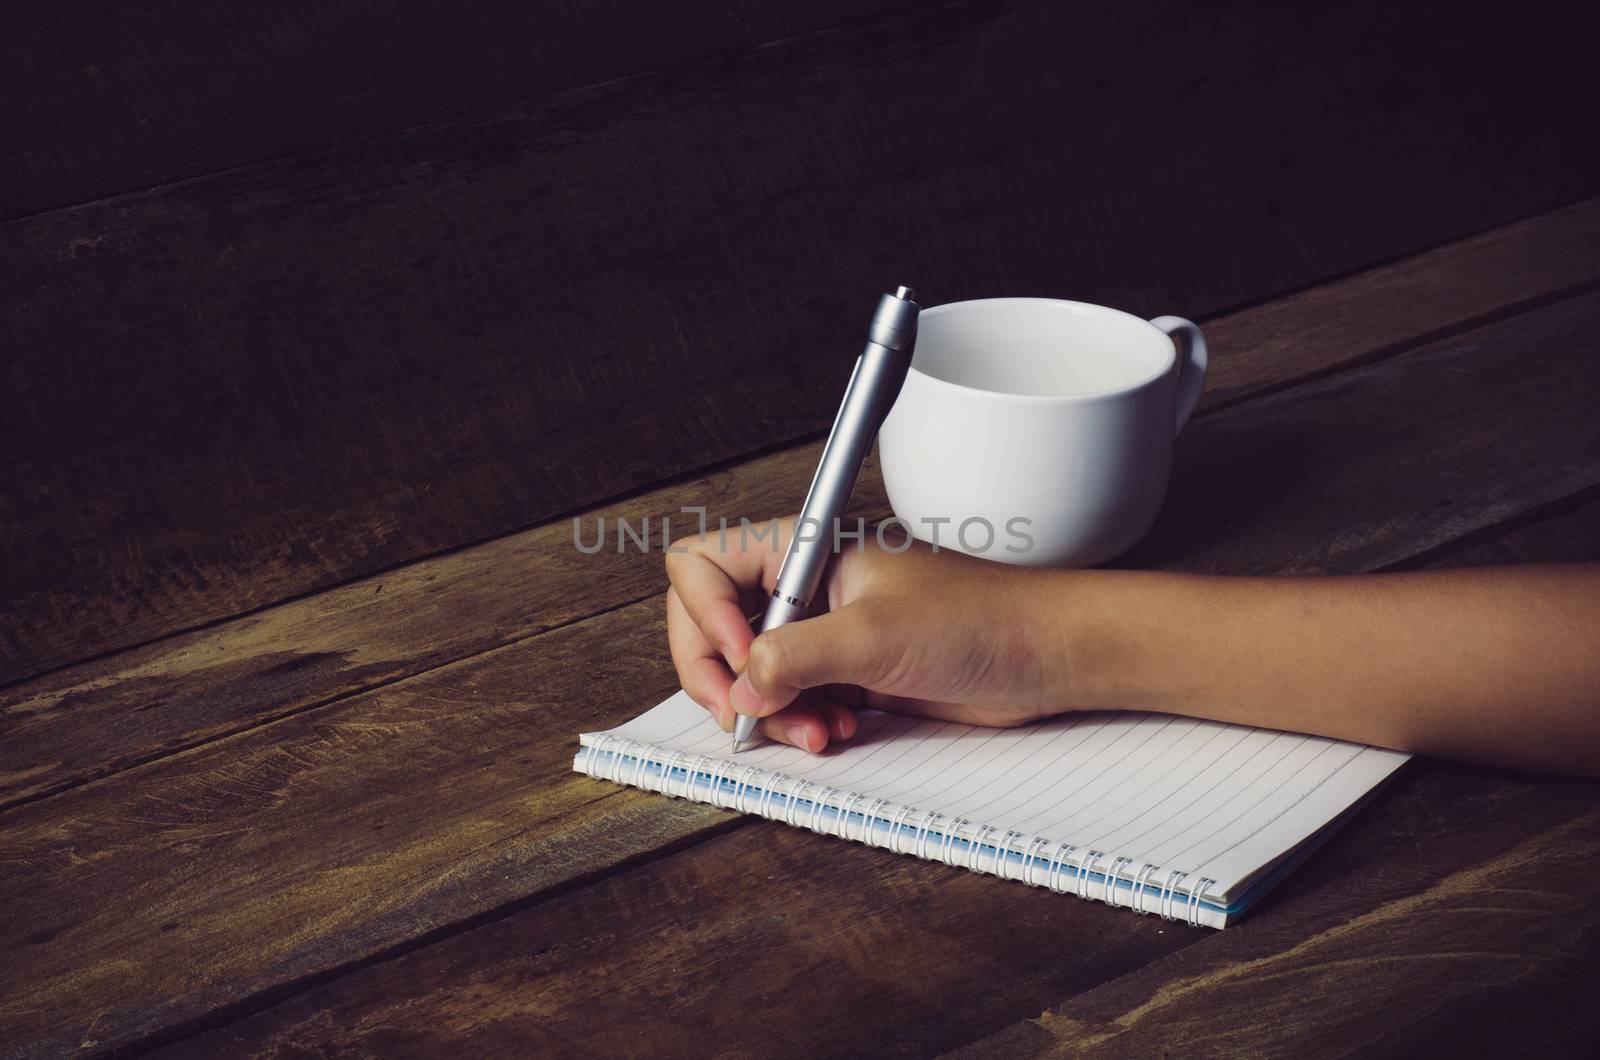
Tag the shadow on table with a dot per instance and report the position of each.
(1228, 478)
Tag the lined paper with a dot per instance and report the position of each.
(1220, 802)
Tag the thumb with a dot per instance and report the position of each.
(843, 647)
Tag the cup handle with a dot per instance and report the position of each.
(1191, 363)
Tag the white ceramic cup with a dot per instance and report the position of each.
(1039, 431)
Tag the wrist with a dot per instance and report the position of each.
(1103, 638)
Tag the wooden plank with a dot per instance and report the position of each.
(1480, 941)
(449, 794)
(1494, 967)
(1240, 475)
(237, 389)
(113, 105)
(835, 949)
(1567, 532)
(368, 825)
(772, 942)
(95, 719)
(1367, 316)
(1465, 886)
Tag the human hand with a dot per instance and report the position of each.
(918, 631)
(1419, 661)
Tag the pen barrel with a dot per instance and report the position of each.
(780, 611)
(874, 384)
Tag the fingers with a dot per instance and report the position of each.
(811, 724)
(701, 668)
(840, 647)
(706, 626)
(840, 720)
(712, 588)
(808, 723)
(709, 597)
(719, 577)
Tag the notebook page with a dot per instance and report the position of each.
(1219, 801)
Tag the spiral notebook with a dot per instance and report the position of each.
(1188, 819)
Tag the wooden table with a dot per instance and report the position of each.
(348, 822)
(307, 374)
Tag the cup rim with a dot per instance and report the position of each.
(1040, 399)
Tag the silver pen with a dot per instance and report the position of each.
(873, 387)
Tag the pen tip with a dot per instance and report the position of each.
(737, 745)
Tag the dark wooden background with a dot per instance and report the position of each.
(298, 291)
(316, 319)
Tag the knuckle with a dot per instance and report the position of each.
(681, 552)
(766, 664)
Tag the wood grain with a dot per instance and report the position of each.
(98, 718)
(1451, 414)
(1444, 953)
(94, 720)
(1455, 913)
(769, 941)
(1441, 954)
(327, 837)
(1460, 882)
(232, 390)
(1487, 936)
(113, 106)
(369, 825)
(1367, 316)
(1560, 533)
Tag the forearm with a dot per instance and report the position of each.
(1496, 665)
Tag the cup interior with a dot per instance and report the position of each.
(1039, 347)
